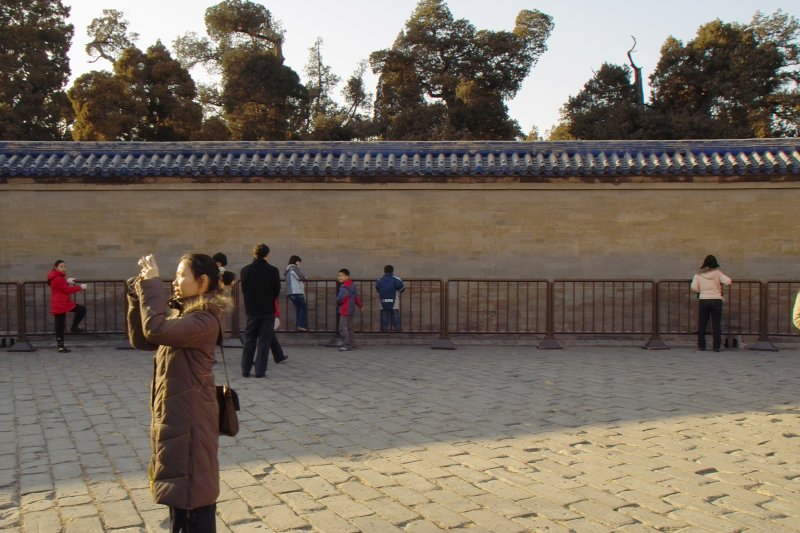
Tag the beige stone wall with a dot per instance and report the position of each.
(435, 230)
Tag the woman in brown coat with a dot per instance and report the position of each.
(184, 470)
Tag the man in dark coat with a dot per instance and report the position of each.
(261, 285)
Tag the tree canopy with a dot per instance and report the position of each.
(149, 97)
(731, 81)
(443, 79)
(34, 68)
(258, 97)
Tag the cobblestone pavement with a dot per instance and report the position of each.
(498, 439)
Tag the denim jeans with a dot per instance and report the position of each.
(346, 331)
(387, 315)
(710, 309)
(299, 302)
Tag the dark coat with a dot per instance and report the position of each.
(61, 292)
(261, 285)
(184, 430)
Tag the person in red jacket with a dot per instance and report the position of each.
(61, 289)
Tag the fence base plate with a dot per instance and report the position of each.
(334, 342)
(443, 343)
(764, 346)
(550, 344)
(655, 344)
(21, 346)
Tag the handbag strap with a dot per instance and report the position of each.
(221, 349)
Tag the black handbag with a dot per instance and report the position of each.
(228, 401)
(228, 405)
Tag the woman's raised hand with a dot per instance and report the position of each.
(149, 267)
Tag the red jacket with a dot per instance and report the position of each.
(60, 290)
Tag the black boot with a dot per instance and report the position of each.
(61, 347)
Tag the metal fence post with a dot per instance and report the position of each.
(444, 342)
(550, 342)
(22, 344)
(655, 342)
(763, 343)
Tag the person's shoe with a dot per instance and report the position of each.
(717, 349)
(344, 348)
(261, 375)
(701, 348)
(62, 349)
(283, 359)
(245, 375)
(304, 330)
(76, 330)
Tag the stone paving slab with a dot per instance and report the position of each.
(483, 438)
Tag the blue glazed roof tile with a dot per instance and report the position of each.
(538, 160)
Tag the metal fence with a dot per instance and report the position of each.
(497, 306)
(550, 309)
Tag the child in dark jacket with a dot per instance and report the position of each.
(347, 299)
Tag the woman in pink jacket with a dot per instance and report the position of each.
(707, 283)
(61, 290)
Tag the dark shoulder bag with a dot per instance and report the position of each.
(227, 399)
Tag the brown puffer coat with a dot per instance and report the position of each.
(184, 431)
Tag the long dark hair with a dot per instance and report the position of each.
(201, 264)
(710, 262)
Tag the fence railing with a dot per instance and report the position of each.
(642, 308)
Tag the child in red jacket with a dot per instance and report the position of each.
(61, 290)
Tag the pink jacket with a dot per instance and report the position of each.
(708, 283)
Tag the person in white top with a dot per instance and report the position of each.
(296, 290)
(707, 283)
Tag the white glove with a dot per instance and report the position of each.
(82, 286)
(71, 281)
(149, 267)
(277, 323)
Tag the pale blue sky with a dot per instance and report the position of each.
(587, 33)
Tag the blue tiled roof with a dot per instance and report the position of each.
(776, 157)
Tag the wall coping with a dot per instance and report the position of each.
(728, 159)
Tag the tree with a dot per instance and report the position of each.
(443, 79)
(730, 81)
(606, 108)
(166, 91)
(149, 97)
(320, 85)
(110, 36)
(262, 99)
(105, 109)
(259, 97)
(34, 68)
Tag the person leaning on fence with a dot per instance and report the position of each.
(707, 283)
(297, 291)
(61, 290)
(389, 288)
(184, 428)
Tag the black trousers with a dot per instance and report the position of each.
(61, 320)
(258, 332)
(710, 309)
(200, 520)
